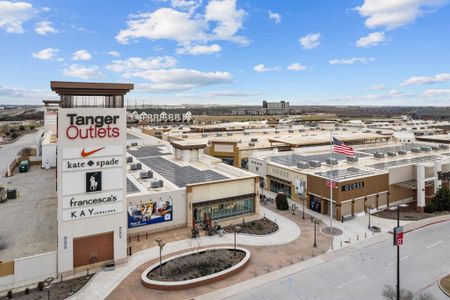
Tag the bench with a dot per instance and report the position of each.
(375, 228)
(346, 218)
(109, 267)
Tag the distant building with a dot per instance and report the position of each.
(276, 108)
(155, 117)
(435, 114)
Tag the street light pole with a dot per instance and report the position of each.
(398, 256)
(236, 229)
(316, 222)
(303, 212)
(161, 245)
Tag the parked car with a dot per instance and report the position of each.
(24, 166)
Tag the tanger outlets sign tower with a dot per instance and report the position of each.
(92, 216)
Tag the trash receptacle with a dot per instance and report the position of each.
(11, 194)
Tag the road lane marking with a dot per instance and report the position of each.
(404, 257)
(351, 281)
(435, 244)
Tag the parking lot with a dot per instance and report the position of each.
(28, 224)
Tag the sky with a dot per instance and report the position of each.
(321, 52)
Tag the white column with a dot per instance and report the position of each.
(437, 168)
(420, 176)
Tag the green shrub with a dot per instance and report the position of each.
(14, 135)
(32, 127)
(441, 200)
(430, 208)
(21, 128)
(281, 201)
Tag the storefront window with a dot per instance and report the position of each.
(277, 187)
(222, 209)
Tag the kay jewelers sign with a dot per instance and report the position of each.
(83, 206)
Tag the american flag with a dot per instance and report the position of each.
(340, 147)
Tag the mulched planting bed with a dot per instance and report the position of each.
(197, 265)
(445, 284)
(408, 214)
(59, 290)
(262, 226)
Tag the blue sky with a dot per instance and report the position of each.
(364, 52)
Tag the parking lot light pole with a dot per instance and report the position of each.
(397, 207)
(316, 222)
(236, 229)
(161, 245)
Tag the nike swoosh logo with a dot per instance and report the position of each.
(86, 154)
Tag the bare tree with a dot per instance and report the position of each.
(390, 293)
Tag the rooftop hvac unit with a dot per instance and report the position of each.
(425, 149)
(138, 166)
(134, 144)
(251, 144)
(229, 133)
(301, 130)
(156, 184)
(415, 150)
(265, 132)
(352, 159)
(378, 155)
(129, 159)
(143, 175)
(291, 131)
(331, 161)
(443, 147)
(204, 135)
(133, 167)
(184, 136)
(150, 174)
(435, 148)
(253, 140)
(218, 134)
(277, 131)
(391, 154)
(402, 152)
(246, 133)
(344, 129)
(315, 163)
(303, 165)
(379, 132)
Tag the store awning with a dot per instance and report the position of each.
(411, 184)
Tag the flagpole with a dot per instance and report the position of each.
(331, 180)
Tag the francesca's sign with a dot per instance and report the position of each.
(81, 201)
(92, 126)
(92, 163)
(94, 211)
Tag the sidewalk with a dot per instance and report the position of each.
(353, 230)
(299, 267)
(105, 282)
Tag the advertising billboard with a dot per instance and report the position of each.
(150, 213)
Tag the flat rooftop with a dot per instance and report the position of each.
(28, 223)
(175, 173)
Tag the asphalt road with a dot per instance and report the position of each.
(362, 273)
(9, 151)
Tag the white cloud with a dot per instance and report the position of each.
(438, 78)
(391, 14)
(81, 55)
(296, 67)
(164, 23)
(229, 20)
(351, 61)
(199, 49)
(134, 64)
(162, 75)
(230, 94)
(14, 14)
(45, 27)
(276, 17)
(221, 21)
(395, 93)
(114, 53)
(437, 93)
(310, 41)
(46, 54)
(262, 68)
(378, 87)
(371, 40)
(187, 5)
(169, 80)
(82, 72)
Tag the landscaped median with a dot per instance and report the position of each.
(192, 269)
(444, 284)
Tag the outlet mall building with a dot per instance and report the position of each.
(377, 176)
(108, 190)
